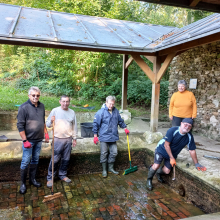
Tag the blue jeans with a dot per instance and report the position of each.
(104, 152)
(31, 154)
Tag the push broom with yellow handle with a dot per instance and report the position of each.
(59, 194)
(131, 169)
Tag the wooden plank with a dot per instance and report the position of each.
(124, 83)
(155, 97)
(164, 67)
(155, 107)
(129, 62)
(191, 44)
(144, 67)
(194, 3)
(150, 58)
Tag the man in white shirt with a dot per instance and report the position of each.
(65, 132)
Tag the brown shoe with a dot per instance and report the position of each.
(66, 179)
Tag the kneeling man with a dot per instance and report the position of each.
(168, 149)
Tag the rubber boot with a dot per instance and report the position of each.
(150, 176)
(32, 174)
(104, 170)
(159, 173)
(23, 188)
(111, 169)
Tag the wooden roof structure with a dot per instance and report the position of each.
(204, 5)
(159, 44)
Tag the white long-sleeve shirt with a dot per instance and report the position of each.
(65, 123)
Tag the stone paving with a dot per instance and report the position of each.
(93, 197)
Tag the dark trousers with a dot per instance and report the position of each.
(104, 157)
(62, 151)
(176, 121)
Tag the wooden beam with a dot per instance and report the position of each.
(164, 67)
(155, 97)
(190, 44)
(144, 67)
(124, 83)
(194, 3)
(129, 62)
(150, 58)
(60, 45)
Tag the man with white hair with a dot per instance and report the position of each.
(31, 127)
(105, 125)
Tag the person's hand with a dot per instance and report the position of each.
(52, 118)
(74, 142)
(127, 131)
(27, 144)
(96, 140)
(200, 167)
(47, 137)
(171, 118)
(172, 162)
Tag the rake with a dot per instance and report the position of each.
(59, 194)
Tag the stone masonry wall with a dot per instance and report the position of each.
(202, 63)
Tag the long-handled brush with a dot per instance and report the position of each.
(131, 169)
(59, 194)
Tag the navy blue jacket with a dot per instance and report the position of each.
(106, 124)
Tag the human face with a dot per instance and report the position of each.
(65, 102)
(110, 104)
(34, 97)
(185, 127)
(181, 88)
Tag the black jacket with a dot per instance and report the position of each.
(31, 119)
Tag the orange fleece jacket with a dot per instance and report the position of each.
(183, 105)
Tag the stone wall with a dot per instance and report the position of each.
(202, 63)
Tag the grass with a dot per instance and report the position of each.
(9, 97)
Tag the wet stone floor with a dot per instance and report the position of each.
(93, 197)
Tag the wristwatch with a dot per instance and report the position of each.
(24, 140)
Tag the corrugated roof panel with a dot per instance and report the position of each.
(69, 29)
(102, 34)
(129, 35)
(34, 23)
(7, 17)
(145, 30)
(37, 26)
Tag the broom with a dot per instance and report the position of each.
(131, 169)
(59, 194)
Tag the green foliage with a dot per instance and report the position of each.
(88, 75)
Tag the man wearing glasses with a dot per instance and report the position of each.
(168, 149)
(65, 132)
(31, 127)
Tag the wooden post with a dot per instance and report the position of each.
(124, 83)
(155, 97)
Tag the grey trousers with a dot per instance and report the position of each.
(104, 157)
(62, 151)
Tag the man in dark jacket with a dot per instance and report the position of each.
(168, 149)
(31, 127)
(105, 124)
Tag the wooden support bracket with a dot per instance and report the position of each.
(164, 67)
(193, 3)
(151, 58)
(129, 62)
(144, 67)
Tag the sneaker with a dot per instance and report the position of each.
(67, 180)
(49, 183)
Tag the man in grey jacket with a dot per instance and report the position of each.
(65, 132)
